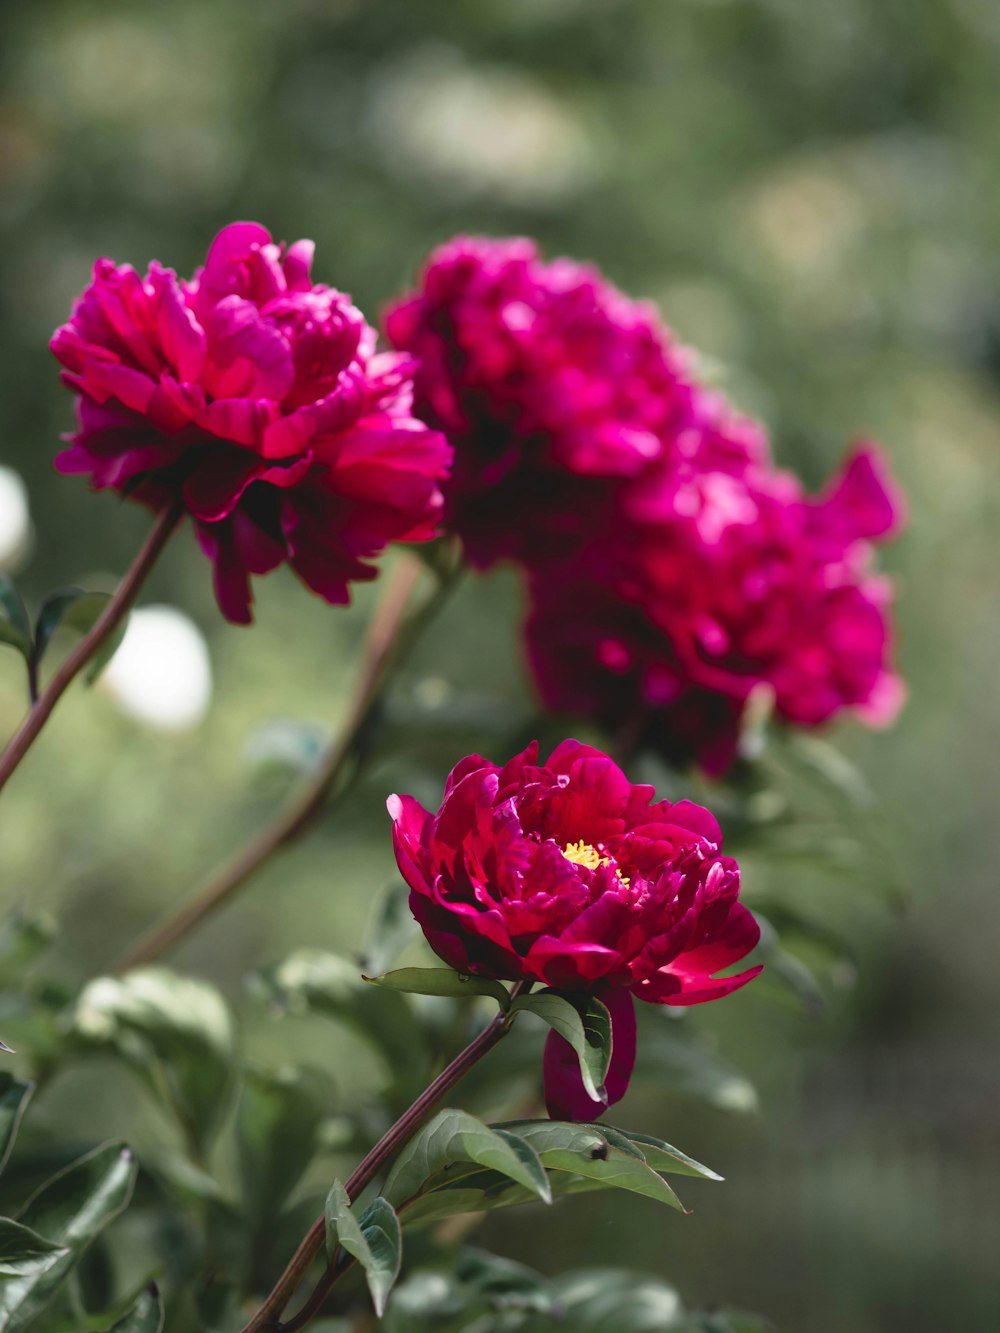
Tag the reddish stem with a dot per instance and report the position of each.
(386, 1148)
(105, 625)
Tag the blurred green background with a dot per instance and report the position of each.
(811, 194)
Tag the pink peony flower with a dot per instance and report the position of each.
(721, 586)
(554, 388)
(563, 873)
(257, 397)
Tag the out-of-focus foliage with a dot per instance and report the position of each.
(811, 194)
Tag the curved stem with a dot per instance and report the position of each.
(390, 635)
(386, 1148)
(105, 625)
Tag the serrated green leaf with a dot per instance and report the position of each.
(14, 1097)
(584, 1022)
(375, 1239)
(278, 1118)
(77, 610)
(457, 1137)
(23, 1253)
(441, 981)
(15, 627)
(146, 1315)
(175, 1032)
(69, 1210)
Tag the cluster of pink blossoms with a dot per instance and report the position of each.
(258, 398)
(673, 570)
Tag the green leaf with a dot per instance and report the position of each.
(146, 1315)
(70, 1210)
(612, 1301)
(375, 1240)
(175, 1032)
(578, 1158)
(585, 1023)
(799, 978)
(457, 1137)
(14, 1097)
(77, 610)
(277, 1126)
(23, 1253)
(390, 930)
(441, 981)
(23, 938)
(311, 980)
(663, 1157)
(15, 627)
(561, 1148)
(669, 1056)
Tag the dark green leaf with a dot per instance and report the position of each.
(175, 1032)
(391, 929)
(277, 1126)
(441, 981)
(312, 980)
(15, 627)
(610, 1301)
(504, 1284)
(23, 938)
(77, 610)
(457, 1137)
(669, 1056)
(70, 1211)
(375, 1240)
(791, 970)
(14, 1097)
(146, 1315)
(585, 1023)
(23, 1253)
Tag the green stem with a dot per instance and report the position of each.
(391, 636)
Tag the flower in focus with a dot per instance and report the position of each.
(723, 587)
(259, 399)
(554, 389)
(564, 873)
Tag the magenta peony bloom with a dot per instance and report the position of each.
(564, 873)
(722, 586)
(258, 398)
(554, 388)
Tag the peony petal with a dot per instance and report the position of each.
(565, 1096)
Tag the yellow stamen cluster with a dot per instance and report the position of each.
(586, 854)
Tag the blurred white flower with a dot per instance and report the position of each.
(15, 520)
(161, 675)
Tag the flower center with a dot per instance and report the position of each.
(586, 854)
